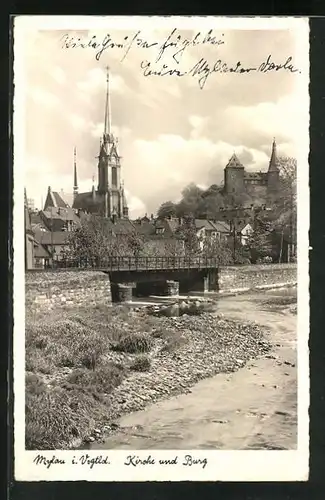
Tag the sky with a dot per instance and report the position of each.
(171, 131)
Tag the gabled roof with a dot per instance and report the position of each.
(58, 200)
(204, 223)
(234, 162)
(41, 252)
(148, 228)
(220, 226)
(121, 226)
(53, 199)
(61, 213)
(49, 238)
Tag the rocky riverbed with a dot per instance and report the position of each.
(204, 346)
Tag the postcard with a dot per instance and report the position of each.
(160, 234)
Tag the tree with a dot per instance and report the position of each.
(95, 240)
(285, 216)
(220, 250)
(167, 209)
(259, 242)
(187, 232)
(191, 202)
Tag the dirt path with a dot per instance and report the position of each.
(253, 408)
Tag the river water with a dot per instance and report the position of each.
(253, 408)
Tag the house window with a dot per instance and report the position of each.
(160, 230)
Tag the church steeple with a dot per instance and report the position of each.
(107, 123)
(75, 180)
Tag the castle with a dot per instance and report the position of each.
(257, 185)
(109, 199)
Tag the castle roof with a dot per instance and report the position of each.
(255, 175)
(234, 162)
(273, 165)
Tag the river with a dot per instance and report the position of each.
(253, 408)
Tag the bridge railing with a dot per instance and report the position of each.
(140, 263)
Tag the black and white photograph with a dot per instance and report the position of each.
(161, 215)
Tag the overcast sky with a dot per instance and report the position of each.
(171, 132)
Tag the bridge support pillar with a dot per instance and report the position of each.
(213, 280)
(206, 284)
(172, 287)
(122, 292)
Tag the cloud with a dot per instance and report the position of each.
(77, 121)
(137, 207)
(58, 74)
(44, 97)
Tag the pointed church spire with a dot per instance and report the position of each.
(75, 180)
(107, 124)
(273, 165)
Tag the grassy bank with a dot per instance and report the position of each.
(85, 368)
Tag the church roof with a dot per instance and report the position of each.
(85, 201)
(234, 162)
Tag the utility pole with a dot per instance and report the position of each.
(52, 249)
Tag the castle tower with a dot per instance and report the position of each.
(273, 172)
(75, 180)
(109, 166)
(234, 176)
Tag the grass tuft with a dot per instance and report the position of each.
(134, 343)
(141, 364)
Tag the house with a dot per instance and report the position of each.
(42, 256)
(211, 230)
(55, 244)
(244, 233)
(160, 237)
(37, 222)
(59, 219)
(29, 237)
(54, 200)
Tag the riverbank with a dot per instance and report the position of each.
(87, 368)
(252, 408)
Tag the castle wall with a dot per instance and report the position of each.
(234, 180)
(255, 191)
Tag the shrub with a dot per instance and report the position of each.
(35, 361)
(56, 417)
(141, 364)
(103, 380)
(64, 343)
(133, 343)
(34, 385)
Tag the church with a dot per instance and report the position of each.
(109, 198)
